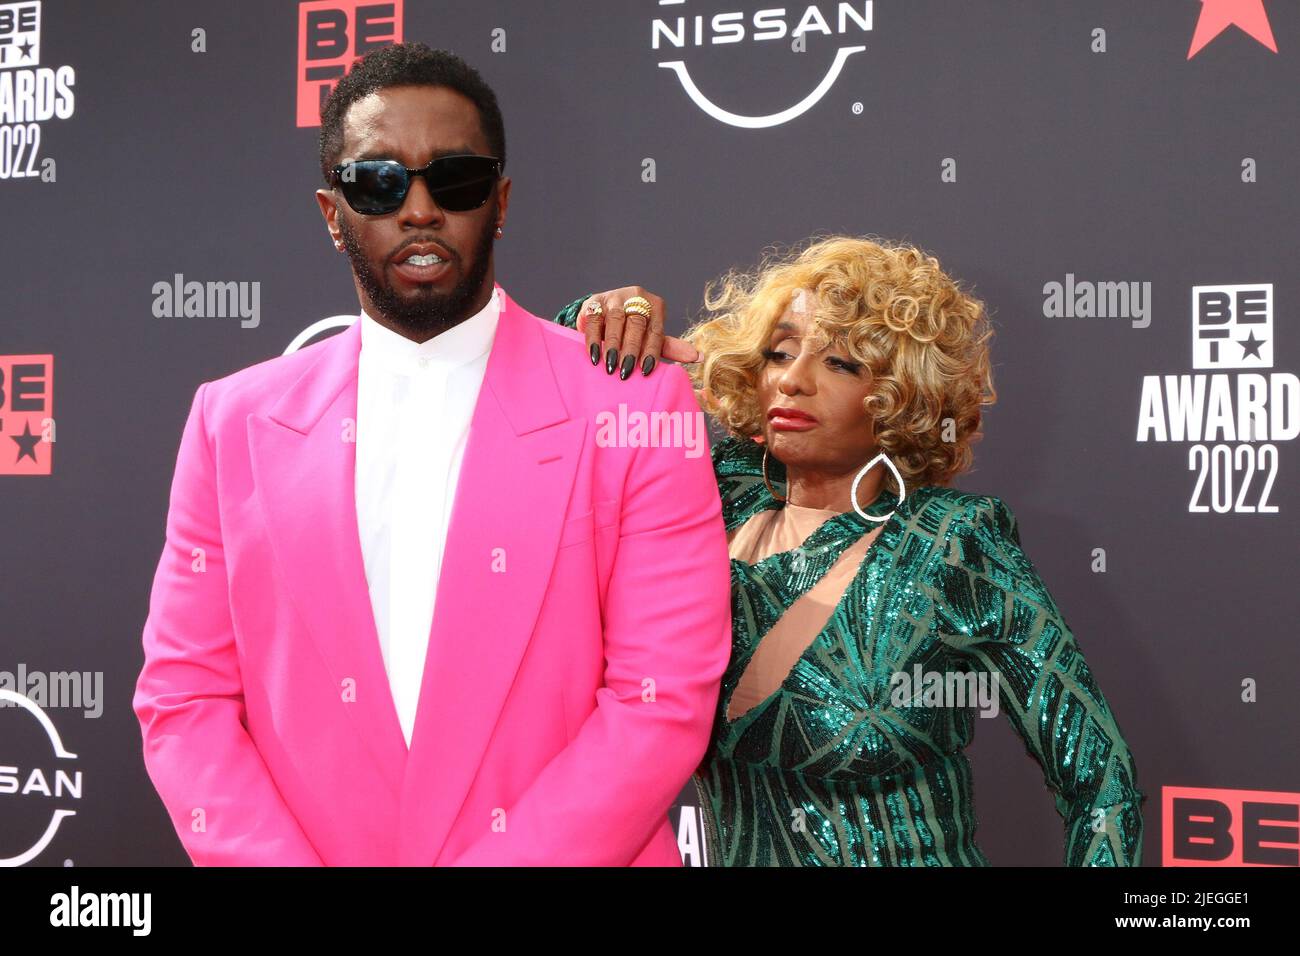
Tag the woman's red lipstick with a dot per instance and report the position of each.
(790, 420)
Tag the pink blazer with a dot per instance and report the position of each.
(581, 630)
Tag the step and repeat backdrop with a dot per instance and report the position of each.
(1116, 180)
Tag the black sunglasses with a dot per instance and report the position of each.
(374, 187)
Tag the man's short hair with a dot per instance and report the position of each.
(407, 64)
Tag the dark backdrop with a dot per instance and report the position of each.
(1107, 157)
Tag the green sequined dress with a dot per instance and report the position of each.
(833, 769)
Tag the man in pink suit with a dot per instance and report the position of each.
(412, 609)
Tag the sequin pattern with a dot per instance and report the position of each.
(829, 770)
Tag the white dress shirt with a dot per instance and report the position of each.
(414, 405)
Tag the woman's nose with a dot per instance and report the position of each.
(797, 378)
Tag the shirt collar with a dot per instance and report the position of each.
(459, 345)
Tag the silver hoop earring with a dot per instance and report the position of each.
(853, 492)
(770, 489)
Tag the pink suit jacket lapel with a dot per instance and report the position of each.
(514, 484)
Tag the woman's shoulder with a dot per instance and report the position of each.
(735, 454)
(954, 504)
(738, 468)
(979, 521)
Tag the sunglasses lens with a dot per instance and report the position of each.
(462, 183)
(376, 186)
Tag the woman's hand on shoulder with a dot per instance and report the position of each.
(628, 340)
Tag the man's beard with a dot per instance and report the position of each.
(427, 312)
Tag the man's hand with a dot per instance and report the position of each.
(630, 339)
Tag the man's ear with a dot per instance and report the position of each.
(503, 198)
(330, 210)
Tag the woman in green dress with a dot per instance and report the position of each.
(874, 607)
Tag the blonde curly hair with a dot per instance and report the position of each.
(888, 305)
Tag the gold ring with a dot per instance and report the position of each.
(638, 305)
(594, 308)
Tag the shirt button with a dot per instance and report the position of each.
(424, 361)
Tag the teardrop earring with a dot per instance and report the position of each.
(857, 480)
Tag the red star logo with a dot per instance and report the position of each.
(1218, 15)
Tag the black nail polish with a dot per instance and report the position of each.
(611, 359)
(647, 365)
(625, 370)
(595, 353)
